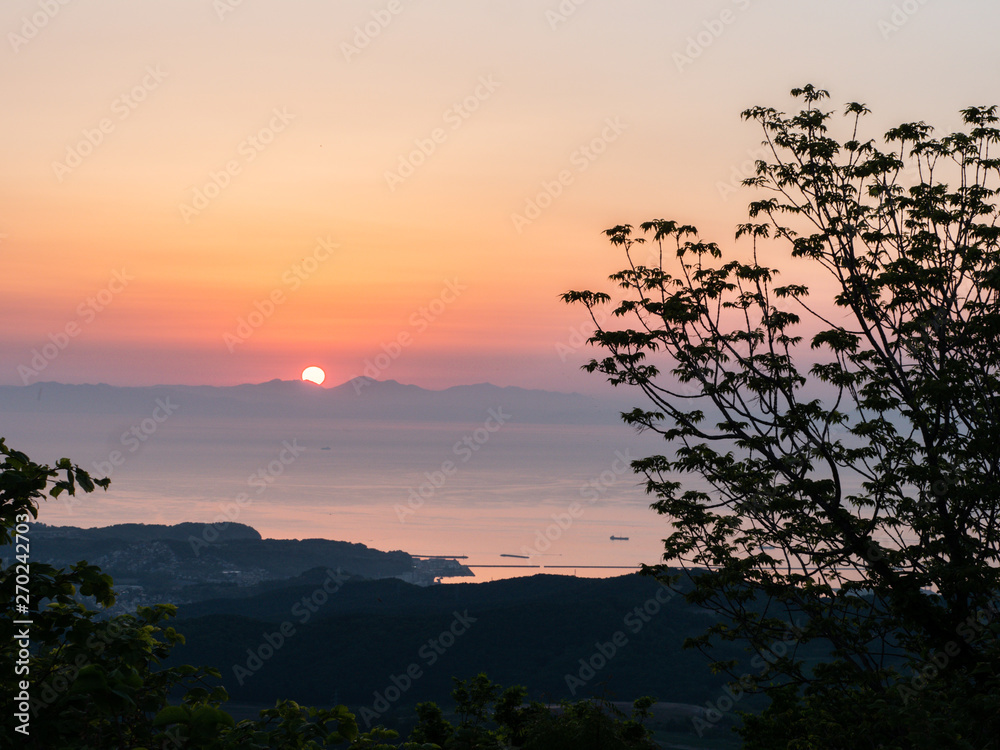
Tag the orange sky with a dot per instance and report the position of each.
(200, 150)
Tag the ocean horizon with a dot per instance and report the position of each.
(554, 494)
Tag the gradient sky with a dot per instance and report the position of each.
(306, 114)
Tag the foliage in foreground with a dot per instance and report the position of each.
(844, 453)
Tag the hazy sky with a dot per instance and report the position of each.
(405, 176)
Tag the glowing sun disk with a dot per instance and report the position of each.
(314, 375)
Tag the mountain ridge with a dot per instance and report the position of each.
(361, 398)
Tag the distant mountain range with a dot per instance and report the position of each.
(361, 398)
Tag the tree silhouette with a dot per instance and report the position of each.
(845, 453)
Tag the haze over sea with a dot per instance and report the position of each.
(484, 486)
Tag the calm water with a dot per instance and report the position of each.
(415, 487)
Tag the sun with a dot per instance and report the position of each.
(314, 375)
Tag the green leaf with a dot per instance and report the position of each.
(172, 715)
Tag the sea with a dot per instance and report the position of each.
(507, 499)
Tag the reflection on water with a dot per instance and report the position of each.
(555, 494)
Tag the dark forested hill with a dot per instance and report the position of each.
(324, 622)
(192, 561)
(361, 642)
